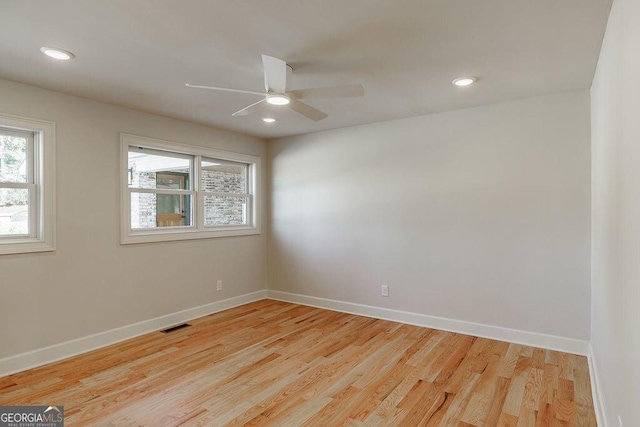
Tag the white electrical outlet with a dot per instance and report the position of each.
(384, 290)
(219, 285)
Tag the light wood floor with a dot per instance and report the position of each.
(274, 363)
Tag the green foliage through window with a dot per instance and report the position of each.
(13, 168)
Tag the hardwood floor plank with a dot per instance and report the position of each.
(279, 364)
(507, 420)
(475, 410)
(551, 374)
(338, 405)
(511, 359)
(496, 400)
(534, 389)
(461, 401)
(424, 409)
(582, 387)
(515, 396)
(443, 403)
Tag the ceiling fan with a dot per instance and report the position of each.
(277, 75)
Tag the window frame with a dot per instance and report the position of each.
(40, 184)
(197, 229)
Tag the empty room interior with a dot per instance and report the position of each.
(290, 212)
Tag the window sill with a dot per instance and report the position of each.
(135, 237)
(25, 246)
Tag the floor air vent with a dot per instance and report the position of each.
(175, 328)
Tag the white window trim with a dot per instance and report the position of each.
(44, 237)
(196, 231)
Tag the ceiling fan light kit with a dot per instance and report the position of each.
(277, 100)
(277, 75)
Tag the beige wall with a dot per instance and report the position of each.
(91, 283)
(615, 117)
(479, 215)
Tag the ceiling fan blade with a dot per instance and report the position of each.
(224, 89)
(349, 91)
(248, 109)
(306, 110)
(275, 74)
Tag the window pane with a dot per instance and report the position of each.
(150, 210)
(221, 210)
(223, 177)
(157, 169)
(13, 158)
(14, 211)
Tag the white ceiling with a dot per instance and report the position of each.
(140, 53)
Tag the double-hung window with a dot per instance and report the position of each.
(27, 161)
(173, 191)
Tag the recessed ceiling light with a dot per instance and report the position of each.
(56, 53)
(268, 119)
(464, 81)
(277, 100)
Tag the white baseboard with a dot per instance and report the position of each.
(551, 342)
(56, 352)
(598, 402)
